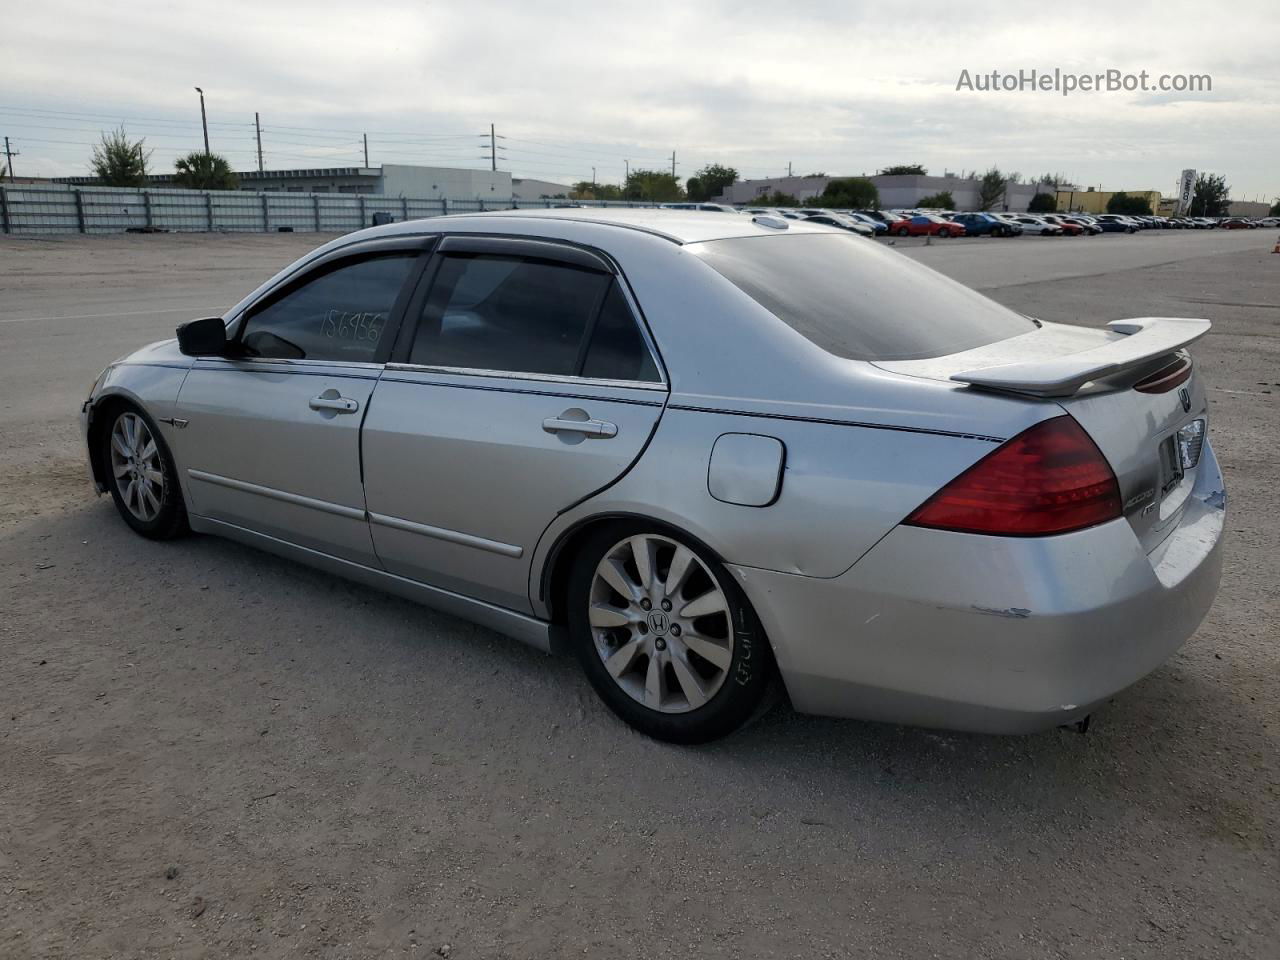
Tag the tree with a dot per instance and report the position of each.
(711, 181)
(1210, 198)
(904, 170)
(776, 199)
(654, 186)
(1055, 180)
(1275, 210)
(938, 201)
(586, 190)
(991, 190)
(119, 161)
(853, 192)
(1043, 203)
(205, 171)
(1129, 206)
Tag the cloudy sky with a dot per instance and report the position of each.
(841, 87)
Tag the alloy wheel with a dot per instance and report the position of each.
(660, 623)
(135, 467)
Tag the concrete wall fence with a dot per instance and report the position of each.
(60, 208)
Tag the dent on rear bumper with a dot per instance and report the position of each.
(992, 634)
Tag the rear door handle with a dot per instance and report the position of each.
(334, 404)
(565, 423)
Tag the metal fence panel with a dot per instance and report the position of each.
(61, 208)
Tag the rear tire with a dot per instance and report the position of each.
(944, 232)
(141, 474)
(664, 634)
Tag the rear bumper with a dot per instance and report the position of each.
(993, 634)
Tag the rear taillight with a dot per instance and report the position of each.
(1051, 478)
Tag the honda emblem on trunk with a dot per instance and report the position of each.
(1185, 396)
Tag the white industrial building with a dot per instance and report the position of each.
(530, 189)
(388, 180)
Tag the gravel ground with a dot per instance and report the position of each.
(208, 752)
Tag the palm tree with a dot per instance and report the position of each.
(205, 171)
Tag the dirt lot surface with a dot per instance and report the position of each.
(208, 752)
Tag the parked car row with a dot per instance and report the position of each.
(945, 223)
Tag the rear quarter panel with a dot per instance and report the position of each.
(843, 488)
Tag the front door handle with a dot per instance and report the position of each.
(575, 420)
(334, 403)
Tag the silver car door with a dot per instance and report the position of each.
(271, 437)
(527, 382)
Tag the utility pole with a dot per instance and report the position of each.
(366, 150)
(628, 169)
(673, 163)
(9, 154)
(593, 177)
(788, 168)
(204, 122)
(493, 147)
(257, 126)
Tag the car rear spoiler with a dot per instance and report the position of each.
(1143, 339)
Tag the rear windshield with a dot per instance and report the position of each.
(858, 300)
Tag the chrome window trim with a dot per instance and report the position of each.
(555, 378)
(294, 362)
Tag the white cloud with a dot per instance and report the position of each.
(833, 86)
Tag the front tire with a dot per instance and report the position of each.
(665, 636)
(141, 475)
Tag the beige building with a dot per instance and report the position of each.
(1095, 201)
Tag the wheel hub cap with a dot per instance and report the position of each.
(660, 623)
(135, 466)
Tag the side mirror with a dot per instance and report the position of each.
(203, 338)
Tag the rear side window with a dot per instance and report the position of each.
(858, 300)
(525, 315)
(339, 313)
(617, 350)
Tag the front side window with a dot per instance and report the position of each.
(340, 313)
(517, 314)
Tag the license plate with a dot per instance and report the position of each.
(1170, 465)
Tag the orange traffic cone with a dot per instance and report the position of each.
(1277, 247)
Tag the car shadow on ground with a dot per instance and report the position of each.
(247, 598)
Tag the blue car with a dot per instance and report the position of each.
(984, 224)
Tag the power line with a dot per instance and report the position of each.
(82, 115)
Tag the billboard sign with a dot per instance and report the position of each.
(1186, 189)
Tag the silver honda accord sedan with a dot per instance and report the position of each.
(701, 454)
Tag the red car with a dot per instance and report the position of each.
(1069, 227)
(927, 225)
(1235, 223)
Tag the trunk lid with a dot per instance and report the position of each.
(1148, 434)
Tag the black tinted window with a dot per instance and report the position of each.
(618, 350)
(340, 314)
(858, 300)
(489, 312)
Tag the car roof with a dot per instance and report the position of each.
(679, 226)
